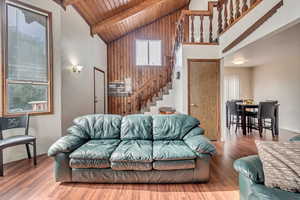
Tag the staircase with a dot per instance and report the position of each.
(197, 27)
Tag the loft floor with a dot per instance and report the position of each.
(24, 181)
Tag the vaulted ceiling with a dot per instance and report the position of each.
(111, 19)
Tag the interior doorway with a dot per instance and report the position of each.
(99, 91)
(204, 94)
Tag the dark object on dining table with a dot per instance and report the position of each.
(13, 123)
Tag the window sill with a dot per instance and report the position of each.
(30, 113)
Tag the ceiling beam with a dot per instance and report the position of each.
(69, 2)
(124, 15)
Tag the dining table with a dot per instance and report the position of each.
(244, 107)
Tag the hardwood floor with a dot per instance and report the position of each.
(24, 181)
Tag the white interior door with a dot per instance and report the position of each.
(99, 84)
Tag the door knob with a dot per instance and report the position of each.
(193, 105)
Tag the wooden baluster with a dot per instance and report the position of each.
(252, 2)
(220, 19)
(225, 14)
(201, 28)
(210, 29)
(192, 29)
(231, 12)
(245, 6)
(237, 12)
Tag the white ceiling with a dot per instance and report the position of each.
(275, 46)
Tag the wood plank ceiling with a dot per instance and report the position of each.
(111, 19)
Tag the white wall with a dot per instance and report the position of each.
(72, 43)
(78, 47)
(280, 80)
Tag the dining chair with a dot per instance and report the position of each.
(8, 123)
(267, 111)
(234, 115)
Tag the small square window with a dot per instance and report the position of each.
(148, 53)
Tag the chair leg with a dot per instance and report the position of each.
(34, 152)
(28, 151)
(1, 163)
(260, 128)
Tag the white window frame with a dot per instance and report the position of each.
(5, 81)
(148, 53)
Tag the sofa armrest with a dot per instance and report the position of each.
(194, 132)
(66, 144)
(200, 145)
(250, 167)
(295, 139)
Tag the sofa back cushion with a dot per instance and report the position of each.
(100, 126)
(136, 127)
(172, 127)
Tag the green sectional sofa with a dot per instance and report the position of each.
(133, 149)
(251, 181)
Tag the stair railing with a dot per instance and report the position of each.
(231, 11)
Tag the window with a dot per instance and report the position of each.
(231, 87)
(148, 53)
(28, 58)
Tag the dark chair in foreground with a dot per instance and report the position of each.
(7, 123)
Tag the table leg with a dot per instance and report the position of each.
(227, 121)
(277, 121)
(244, 121)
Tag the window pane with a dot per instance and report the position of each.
(27, 45)
(27, 98)
(155, 52)
(141, 52)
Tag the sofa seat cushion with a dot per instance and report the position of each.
(136, 166)
(89, 163)
(174, 164)
(95, 150)
(172, 150)
(133, 151)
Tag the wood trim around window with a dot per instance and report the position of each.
(3, 63)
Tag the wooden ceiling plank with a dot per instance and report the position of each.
(125, 15)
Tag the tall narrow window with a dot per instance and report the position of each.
(28, 60)
(148, 53)
(231, 87)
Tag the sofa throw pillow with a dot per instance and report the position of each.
(281, 164)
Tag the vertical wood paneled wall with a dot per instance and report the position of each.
(121, 62)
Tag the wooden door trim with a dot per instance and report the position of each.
(218, 61)
(97, 69)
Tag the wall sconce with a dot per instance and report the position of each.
(77, 68)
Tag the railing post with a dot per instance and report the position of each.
(231, 12)
(252, 2)
(220, 23)
(210, 28)
(193, 29)
(237, 13)
(245, 6)
(201, 28)
(225, 14)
